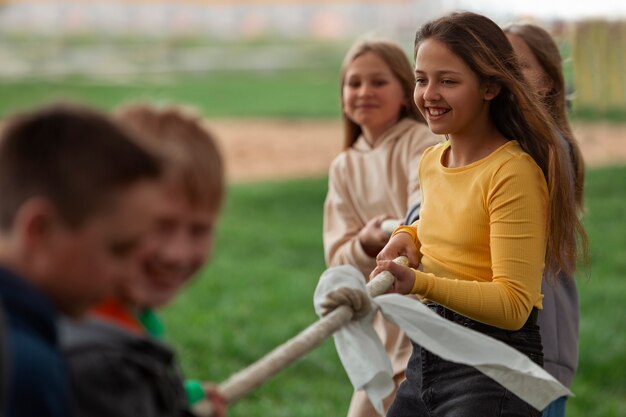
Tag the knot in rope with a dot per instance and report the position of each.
(354, 298)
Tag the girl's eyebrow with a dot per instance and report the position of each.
(439, 73)
(369, 74)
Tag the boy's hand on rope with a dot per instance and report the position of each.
(218, 402)
(400, 244)
(356, 299)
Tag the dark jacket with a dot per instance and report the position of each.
(116, 373)
(4, 361)
(38, 383)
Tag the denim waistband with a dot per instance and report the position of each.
(477, 325)
(526, 339)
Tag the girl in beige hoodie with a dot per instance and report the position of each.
(374, 178)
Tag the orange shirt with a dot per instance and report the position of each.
(112, 310)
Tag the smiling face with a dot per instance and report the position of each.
(179, 245)
(534, 74)
(447, 92)
(85, 264)
(372, 96)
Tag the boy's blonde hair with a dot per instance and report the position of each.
(188, 150)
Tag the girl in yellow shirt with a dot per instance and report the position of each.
(496, 209)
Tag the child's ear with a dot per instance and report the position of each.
(34, 232)
(36, 220)
(491, 90)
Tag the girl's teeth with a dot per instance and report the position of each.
(437, 112)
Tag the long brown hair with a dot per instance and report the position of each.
(398, 62)
(547, 53)
(485, 49)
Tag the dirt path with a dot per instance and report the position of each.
(257, 149)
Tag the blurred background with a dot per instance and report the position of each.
(264, 74)
(213, 53)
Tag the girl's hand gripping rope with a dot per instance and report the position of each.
(357, 300)
(400, 244)
(405, 276)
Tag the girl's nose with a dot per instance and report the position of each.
(365, 89)
(431, 92)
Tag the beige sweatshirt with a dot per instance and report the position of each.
(367, 181)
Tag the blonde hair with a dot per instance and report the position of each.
(398, 62)
(188, 150)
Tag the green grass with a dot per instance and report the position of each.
(257, 293)
(600, 385)
(285, 93)
(297, 93)
(592, 114)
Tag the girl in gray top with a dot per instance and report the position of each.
(540, 60)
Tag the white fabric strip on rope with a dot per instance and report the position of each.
(368, 366)
(255, 374)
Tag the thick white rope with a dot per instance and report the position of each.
(249, 378)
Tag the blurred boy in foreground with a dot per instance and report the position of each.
(76, 195)
(119, 365)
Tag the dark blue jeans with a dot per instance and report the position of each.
(438, 388)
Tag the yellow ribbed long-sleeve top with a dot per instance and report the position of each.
(482, 235)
